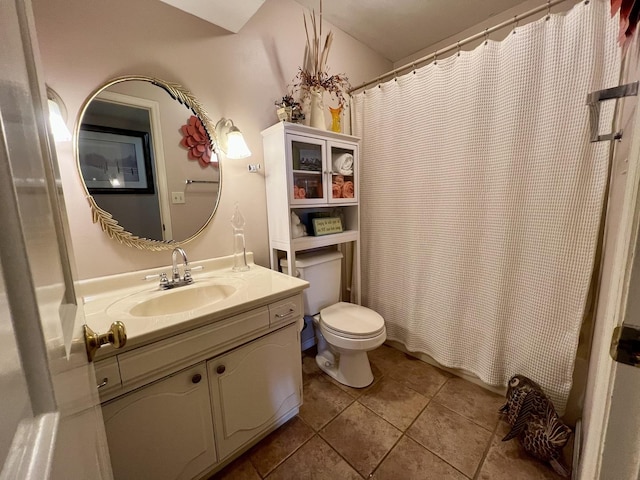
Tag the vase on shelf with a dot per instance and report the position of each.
(239, 249)
(316, 112)
(336, 119)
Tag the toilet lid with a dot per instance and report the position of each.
(352, 319)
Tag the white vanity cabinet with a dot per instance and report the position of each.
(184, 406)
(163, 431)
(253, 386)
(312, 173)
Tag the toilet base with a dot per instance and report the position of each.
(349, 368)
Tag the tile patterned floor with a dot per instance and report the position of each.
(414, 422)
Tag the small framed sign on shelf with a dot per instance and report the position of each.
(326, 225)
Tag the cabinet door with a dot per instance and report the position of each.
(342, 159)
(254, 386)
(164, 430)
(306, 170)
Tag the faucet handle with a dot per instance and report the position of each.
(187, 273)
(162, 276)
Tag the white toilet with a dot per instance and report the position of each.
(345, 331)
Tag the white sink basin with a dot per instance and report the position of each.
(182, 299)
(160, 303)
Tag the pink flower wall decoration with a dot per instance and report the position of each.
(196, 141)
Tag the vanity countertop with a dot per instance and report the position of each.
(108, 299)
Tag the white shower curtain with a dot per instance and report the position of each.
(482, 197)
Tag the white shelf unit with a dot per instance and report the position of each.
(297, 156)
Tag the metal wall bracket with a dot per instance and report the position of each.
(593, 101)
(625, 345)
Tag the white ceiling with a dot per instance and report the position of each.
(399, 28)
(396, 29)
(229, 15)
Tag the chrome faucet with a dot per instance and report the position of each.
(176, 281)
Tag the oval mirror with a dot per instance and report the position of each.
(148, 164)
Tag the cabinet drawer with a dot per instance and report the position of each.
(285, 311)
(148, 363)
(108, 378)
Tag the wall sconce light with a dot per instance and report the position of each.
(230, 140)
(57, 117)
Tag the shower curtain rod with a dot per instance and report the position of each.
(485, 33)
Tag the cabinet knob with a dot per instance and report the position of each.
(221, 369)
(196, 378)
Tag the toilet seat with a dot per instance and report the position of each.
(348, 320)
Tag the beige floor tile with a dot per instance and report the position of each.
(386, 358)
(394, 402)
(322, 402)
(508, 461)
(411, 461)
(310, 369)
(240, 469)
(275, 448)
(452, 437)
(361, 437)
(309, 365)
(471, 401)
(418, 375)
(315, 461)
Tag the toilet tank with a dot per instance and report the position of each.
(323, 271)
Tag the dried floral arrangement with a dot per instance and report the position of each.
(314, 74)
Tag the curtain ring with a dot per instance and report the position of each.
(458, 44)
(395, 76)
(548, 10)
(486, 36)
(515, 26)
(414, 68)
(435, 57)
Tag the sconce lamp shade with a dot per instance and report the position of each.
(236, 146)
(230, 140)
(58, 127)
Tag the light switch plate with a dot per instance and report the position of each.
(177, 197)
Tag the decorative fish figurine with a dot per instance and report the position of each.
(534, 421)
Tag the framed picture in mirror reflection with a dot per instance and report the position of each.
(115, 160)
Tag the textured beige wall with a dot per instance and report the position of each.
(84, 43)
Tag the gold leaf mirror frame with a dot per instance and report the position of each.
(107, 223)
